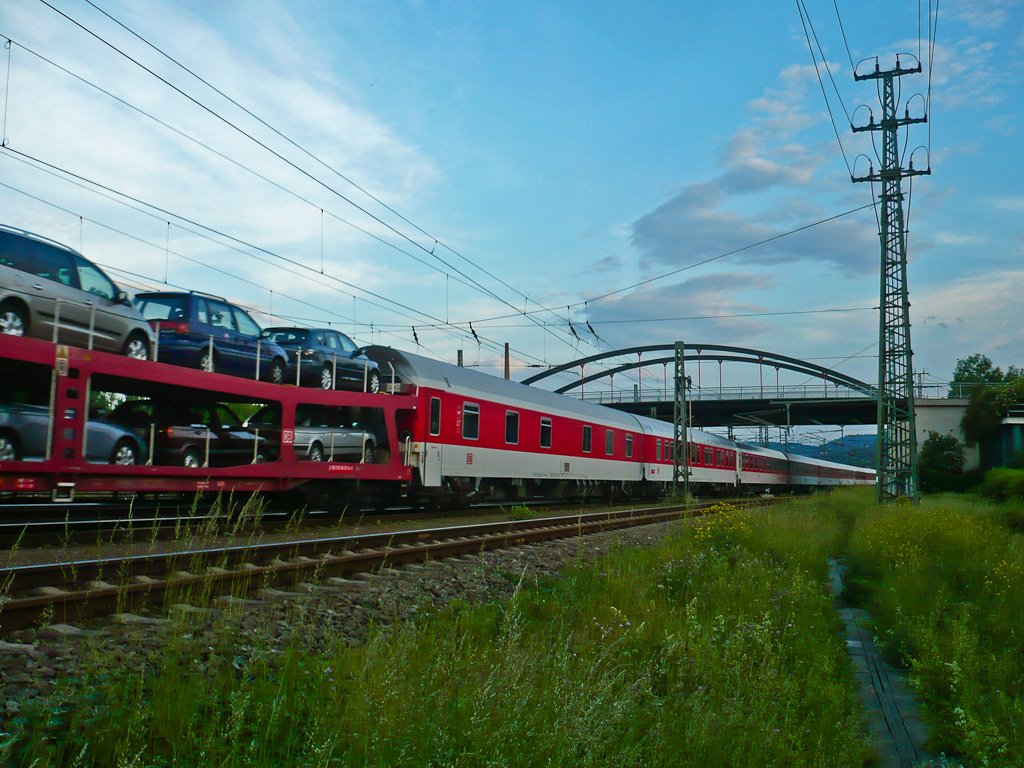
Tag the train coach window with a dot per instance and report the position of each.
(669, 450)
(470, 421)
(709, 456)
(694, 453)
(657, 450)
(511, 427)
(609, 442)
(435, 415)
(545, 433)
(629, 446)
(587, 438)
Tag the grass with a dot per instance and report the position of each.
(717, 647)
(945, 581)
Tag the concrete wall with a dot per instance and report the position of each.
(943, 416)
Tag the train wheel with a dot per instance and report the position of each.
(124, 453)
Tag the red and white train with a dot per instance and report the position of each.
(478, 436)
(447, 433)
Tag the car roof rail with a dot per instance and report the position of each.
(40, 238)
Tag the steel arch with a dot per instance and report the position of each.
(726, 354)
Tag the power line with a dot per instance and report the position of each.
(281, 157)
(723, 255)
(489, 342)
(317, 158)
(805, 21)
(839, 18)
(236, 163)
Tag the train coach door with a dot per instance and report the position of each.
(433, 451)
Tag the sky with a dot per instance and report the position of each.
(569, 177)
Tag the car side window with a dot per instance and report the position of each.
(14, 252)
(331, 341)
(220, 315)
(50, 263)
(91, 280)
(346, 343)
(226, 417)
(245, 323)
(202, 311)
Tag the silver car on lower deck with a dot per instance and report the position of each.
(322, 433)
(24, 430)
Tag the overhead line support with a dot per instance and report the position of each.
(897, 458)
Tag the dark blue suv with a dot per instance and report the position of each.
(207, 332)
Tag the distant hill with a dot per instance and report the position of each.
(858, 450)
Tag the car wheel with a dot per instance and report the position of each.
(137, 347)
(277, 371)
(260, 458)
(316, 452)
(8, 448)
(124, 453)
(207, 362)
(326, 378)
(13, 320)
(373, 383)
(192, 459)
(368, 452)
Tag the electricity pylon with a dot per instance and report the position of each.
(897, 439)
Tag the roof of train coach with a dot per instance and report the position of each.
(426, 372)
(762, 451)
(823, 463)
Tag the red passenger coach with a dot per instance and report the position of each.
(67, 377)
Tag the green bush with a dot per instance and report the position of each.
(1003, 484)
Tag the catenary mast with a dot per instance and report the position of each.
(897, 441)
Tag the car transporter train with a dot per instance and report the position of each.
(442, 434)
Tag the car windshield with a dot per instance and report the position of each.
(286, 335)
(162, 307)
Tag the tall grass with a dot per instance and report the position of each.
(719, 648)
(945, 580)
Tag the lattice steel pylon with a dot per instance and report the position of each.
(897, 440)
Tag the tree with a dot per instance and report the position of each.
(978, 368)
(941, 464)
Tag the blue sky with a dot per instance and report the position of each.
(557, 152)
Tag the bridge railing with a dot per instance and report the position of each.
(790, 392)
(813, 391)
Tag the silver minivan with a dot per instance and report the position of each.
(43, 284)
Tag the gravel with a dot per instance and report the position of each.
(32, 660)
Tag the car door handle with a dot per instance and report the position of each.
(87, 303)
(37, 286)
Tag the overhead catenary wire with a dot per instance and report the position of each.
(280, 156)
(496, 346)
(805, 20)
(318, 159)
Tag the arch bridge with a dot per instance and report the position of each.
(832, 398)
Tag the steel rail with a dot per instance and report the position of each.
(145, 579)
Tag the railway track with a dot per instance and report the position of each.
(72, 591)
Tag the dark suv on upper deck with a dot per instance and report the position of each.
(43, 284)
(207, 332)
